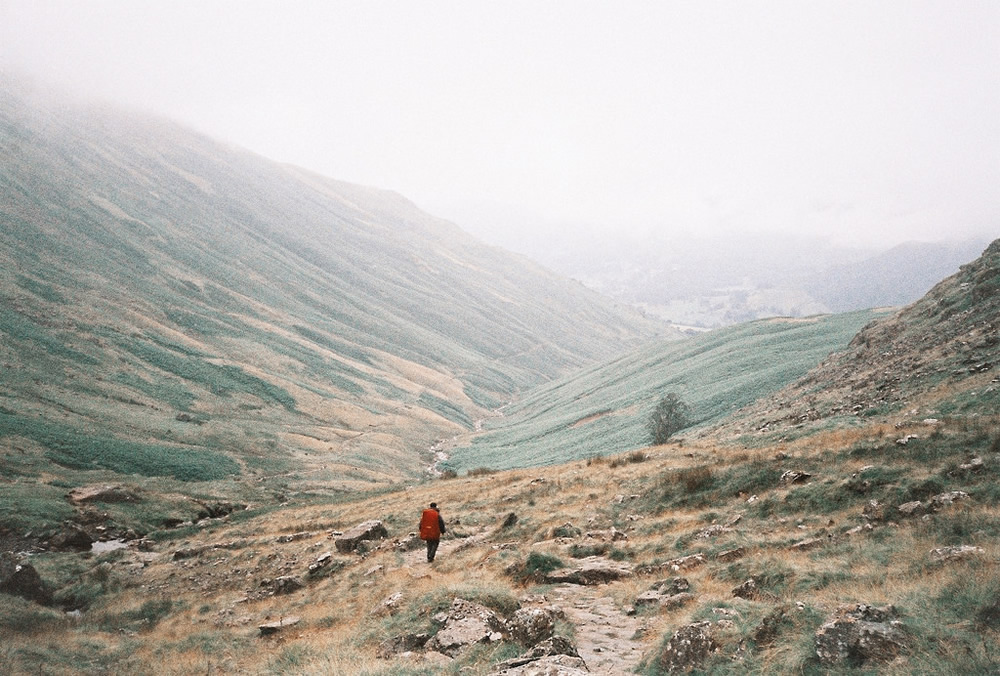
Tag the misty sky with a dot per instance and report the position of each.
(868, 122)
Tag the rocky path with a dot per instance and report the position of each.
(604, 635)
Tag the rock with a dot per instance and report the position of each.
(974, 465)
(808, 543)
(530, 626)
(731, 554)
(369, 530)
(465, 624)
(686, 562)
(286, 584)
(667, 594)
(860, 633)
(294, 537)
(748, 590)
(905, 440)
(401, 644)
(949, 554)
(591, 570)
(942, 500)
(712, 531)
(612, 535)
(72, 539)
(25, 582)
(102, 493)
(794, 477)
(555, 656)
(509, 520)
(389, 605)
(688, 647)
(275, 627)
(874, 511)
(765, 632)
(915, 508)
(324, 560)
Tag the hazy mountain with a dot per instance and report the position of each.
(711, 281)
(172, 306)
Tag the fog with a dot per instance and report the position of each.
(861, 123)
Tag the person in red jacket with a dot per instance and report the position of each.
(431, 529)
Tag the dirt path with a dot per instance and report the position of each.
(604, 634)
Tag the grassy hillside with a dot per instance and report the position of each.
(934, 358)
(180, 311)
(603, 410)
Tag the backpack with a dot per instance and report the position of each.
(429, 527)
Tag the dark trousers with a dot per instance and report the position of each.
(432, 547)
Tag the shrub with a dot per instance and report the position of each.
(535, 567)
(670, 416)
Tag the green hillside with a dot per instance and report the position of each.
(173, 309)
(603, 410)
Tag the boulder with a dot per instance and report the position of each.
(688, 647)
(860, 633)
(529, 626)
(369, 530)
(465, 624)
(25, 582)
(509, 520)
(974, 465)
(874, 511)
(389, 605)
(409, 543)
(591, 570)
(286, 584)
(666, 594)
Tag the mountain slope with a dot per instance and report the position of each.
(175, 307)
(934, 357)
(603, 409)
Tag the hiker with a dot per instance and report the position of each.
(431, 529)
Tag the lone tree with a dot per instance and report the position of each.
(669, 416)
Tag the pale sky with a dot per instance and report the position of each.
(859, 121)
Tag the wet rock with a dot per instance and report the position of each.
(591, 570)
(25, 582)
(860, 633)
(688, 648)
(352, 538)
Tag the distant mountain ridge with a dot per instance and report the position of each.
(166, 295)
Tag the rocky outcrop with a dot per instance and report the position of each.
(555, 656)
(951, 554)
(270, 628)
(591, 570)
(369, 530)
(72, 538)
(935, 504)
(403, 643)
(860, 633)
(465, 624)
